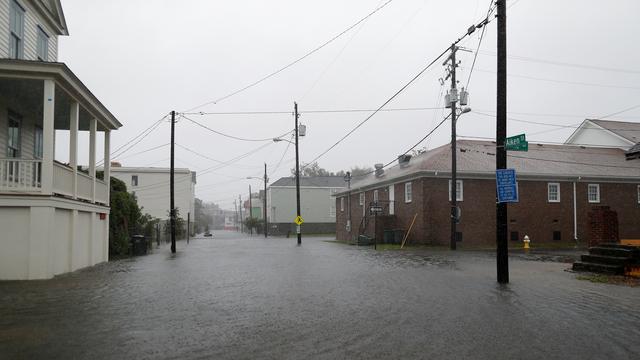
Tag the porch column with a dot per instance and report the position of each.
(74, 115)
(93, 123)
(48, 133)
(107, 161)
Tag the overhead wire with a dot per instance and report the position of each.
(484, 22)
(313, 51)
(232, 136)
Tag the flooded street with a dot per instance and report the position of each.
(247, 298)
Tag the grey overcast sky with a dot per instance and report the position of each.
(569, 60)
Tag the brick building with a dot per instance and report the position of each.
(559, 186)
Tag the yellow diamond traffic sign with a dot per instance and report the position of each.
(299, 220)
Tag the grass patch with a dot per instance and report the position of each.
(610, 279)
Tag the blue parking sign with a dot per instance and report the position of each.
(506, 185)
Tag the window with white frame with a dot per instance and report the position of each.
(375, 196)
(361, 202)
(459, 190)
(342, 204)
(408, 196)
(16, 31)
(638, 194)
(593, 193)
(43, 45)
(134, 180)
(332, 211)
(13, 136)
(553, 192)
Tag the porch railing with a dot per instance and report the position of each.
(20, 175)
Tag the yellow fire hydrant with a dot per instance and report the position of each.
(526, 242)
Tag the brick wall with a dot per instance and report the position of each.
(534, 215)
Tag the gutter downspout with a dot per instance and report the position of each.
(575, 215)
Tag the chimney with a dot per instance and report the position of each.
(115, 164)
(403, 160)
(379, 169)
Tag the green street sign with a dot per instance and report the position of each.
(517, 143)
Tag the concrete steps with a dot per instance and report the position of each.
(614, 259)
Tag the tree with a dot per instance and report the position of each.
(181, 228)
(125, 217)
(358, 171)
(314, 169)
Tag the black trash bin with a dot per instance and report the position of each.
(398, 236)
(388, 236)
(138, 245)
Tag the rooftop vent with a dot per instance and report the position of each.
(379, 169)
(403, 160)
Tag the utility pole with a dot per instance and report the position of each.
(452, 101)
(264, 209)
(347, 178)
(172, 210)
(250, 211)
(235, 206)
(240, 208)
(501, 134)
(188, 226)
(298, 230)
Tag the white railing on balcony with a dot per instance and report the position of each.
(20, 175)
(101, 192)
(84, 186)
(62, 179)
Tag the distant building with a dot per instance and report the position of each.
(559, 186)
(151, 188)
(54, 218)
(317, 205)
(620, 134)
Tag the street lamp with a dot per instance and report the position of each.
(264, 207)
(299, 131)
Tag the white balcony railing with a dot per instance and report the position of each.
(20, 175)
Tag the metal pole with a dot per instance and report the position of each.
(501, 134)
(250, 211)
(453, 192)
(298, 230)
(349, 200)
(188, 226)
(264, 210)
(172, 211)
(240, 209)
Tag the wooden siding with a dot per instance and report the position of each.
(31, 22)
(4, 28)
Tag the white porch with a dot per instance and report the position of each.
(56, 213)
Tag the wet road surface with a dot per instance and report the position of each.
(249, 298)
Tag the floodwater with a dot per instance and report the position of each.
(234, 297)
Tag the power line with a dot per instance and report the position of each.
(475, 56)
(231, 136)
(484, 22)
(559, 161)
(293, 62)
(140, 136)
(318, 111)
(144, 151)
(411, 148)
(579, 83)
(565, 64)
(558, 125)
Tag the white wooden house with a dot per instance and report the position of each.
(53, 218)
